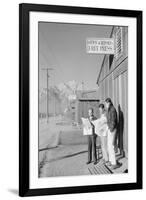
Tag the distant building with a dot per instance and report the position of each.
(113, 82)
(79, 106)
(82, 107)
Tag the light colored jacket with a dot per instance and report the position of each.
(101, 126)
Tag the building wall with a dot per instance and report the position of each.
(113, 83)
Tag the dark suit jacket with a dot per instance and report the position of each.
(93, 127)
(112, 118)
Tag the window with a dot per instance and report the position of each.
(119, 42)
(111, 58)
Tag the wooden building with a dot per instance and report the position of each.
(83, 105)
(79, 106)
(113, 82)
(88, 99)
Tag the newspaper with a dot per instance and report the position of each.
(101, 127)
(87, 127)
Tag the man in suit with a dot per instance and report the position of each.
(92, 139)
(111, 133)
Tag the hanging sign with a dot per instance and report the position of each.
(100, 45)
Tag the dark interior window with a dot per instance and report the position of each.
(111, 58)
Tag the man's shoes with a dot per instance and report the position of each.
(88, 162)
(95, 162)
(116, 166)
(108, 163)
(103, 161)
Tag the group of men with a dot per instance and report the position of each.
(107, 137)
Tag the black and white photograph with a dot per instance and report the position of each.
(80, 100)
(83, 99)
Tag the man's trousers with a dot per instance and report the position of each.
(92, 148)
(110, 145)
(104, 147)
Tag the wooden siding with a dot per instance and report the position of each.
(113, 83)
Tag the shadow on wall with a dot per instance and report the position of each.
(120, 131)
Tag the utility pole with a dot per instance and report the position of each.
(82, 88)
(47, 70)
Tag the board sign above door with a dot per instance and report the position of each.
(100, 45)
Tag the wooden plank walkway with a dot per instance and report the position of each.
(100, 168)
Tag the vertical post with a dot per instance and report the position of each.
(47, 97)
(54, 106)
(47, 69)
(82, 88)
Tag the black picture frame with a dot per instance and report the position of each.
(24, 10)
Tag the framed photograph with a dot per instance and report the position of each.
(80, 99)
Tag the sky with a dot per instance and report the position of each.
(63, 48)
